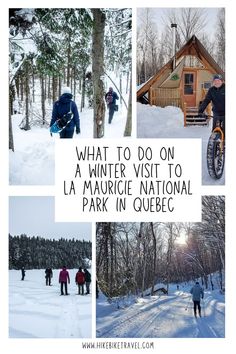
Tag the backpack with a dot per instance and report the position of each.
(62, 122)
(109, 98)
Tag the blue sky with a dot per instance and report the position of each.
(34, 216)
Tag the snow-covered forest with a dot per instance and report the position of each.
(132, 257)
(154, 38)
(88, 50)
(37, 252)
(136, 260)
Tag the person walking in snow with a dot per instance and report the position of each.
(22, 273)
(64, 278)
(197, 294)
(87, 277)
(64, 105)
(48, 276)
(80, 280)
(216, 95)
(111, 97)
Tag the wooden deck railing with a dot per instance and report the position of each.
(163, 97)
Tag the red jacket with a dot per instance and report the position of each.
(80, 278)
(64, 276)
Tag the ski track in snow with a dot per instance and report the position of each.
(38, 311)
(165, 317)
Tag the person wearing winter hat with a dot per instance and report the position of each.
(216, 95)
(64, 105)
(111, 97)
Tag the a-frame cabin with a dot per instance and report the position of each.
(183, 81)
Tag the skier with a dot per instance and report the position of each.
(63, 106)
(87, 277)
(64, 277)
(48, 276)
(216, 95)
(22, 273)
(80, 280)
(111, 98)
(197, 293)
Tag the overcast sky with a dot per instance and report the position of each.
(159, 13)
(34, 216)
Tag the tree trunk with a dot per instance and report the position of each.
(121, 88)
(11, 140)
(27, 93)
(68, 62)
(111, 280)
(83, 92)
(154, 257)
(98, 72)
(74, 82)
(128, 125)
(59, 87)
(127, 82)
(43, 98)
(54, 88)
(21, 87)
(33, 84)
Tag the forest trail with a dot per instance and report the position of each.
(164, 317)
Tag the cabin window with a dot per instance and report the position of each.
(188, 84)
(206, 85)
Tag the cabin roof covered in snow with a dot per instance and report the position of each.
(192, 47)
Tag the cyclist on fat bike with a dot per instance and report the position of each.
(216, 95)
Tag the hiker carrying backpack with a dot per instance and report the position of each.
(65, 116)
(111, 97)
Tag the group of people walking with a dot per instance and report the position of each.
(66, 108)
(82, 278)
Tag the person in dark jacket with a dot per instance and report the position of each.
(22, 273)
(216, 95)
(87, 277)
(80, 280)
(62, 107)
(64, 277)
(197, 294)
(111, 98)
(48, 276)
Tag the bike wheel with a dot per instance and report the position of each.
(215, 156)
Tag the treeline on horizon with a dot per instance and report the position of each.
(37, 252)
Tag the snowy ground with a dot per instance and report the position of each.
(32, 163)
(157, 122)
(38, 311)
(162, 317)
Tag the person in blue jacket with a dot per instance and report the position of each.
(111, 97)
(197, 294)
(61, 107)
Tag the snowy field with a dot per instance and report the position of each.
(32, 163)
(38, 311)
(162, 316)
(157, 122)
